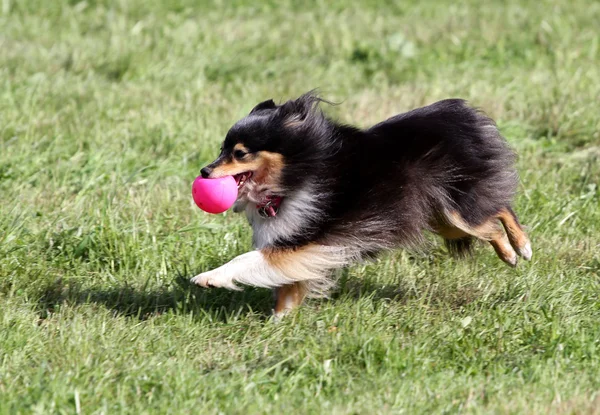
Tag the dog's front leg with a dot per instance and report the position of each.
(275, 267)
(251, 268)
(288, 297)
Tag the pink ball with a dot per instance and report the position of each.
(215, 195)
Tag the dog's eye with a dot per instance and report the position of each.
(239, 154)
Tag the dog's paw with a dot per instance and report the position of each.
(525, 251)
(214, 279)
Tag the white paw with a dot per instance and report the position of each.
(279, 315)
(215, 279)
(526, 252)
(512, 261)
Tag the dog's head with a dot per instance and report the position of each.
(260, 149)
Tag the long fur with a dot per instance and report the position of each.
(350, 193)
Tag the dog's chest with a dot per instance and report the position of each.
(295, 214)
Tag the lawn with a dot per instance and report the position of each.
(108, 110)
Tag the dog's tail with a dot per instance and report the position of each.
(461, 247)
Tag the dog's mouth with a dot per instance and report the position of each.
(242, 178)
(267, 205)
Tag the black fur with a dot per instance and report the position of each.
(382, 187)
(460, 247)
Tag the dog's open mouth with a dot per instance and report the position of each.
(268, 205)
(242, 178)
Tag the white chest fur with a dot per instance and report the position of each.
(296, 212)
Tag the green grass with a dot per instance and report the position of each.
(108, 109)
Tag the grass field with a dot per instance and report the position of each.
(108, 109)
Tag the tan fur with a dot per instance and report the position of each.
(292, 262)
(240, 146)
(289, 297)
(486, 231)
(271, 166)
(265, 165)
(517, 237)
(503, 249)
(309, 264)
(506, 245)
(449, 232)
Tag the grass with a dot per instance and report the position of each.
(108, 109)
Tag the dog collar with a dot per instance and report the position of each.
(270, 207)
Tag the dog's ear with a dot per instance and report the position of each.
(265, 105)
(295, 112)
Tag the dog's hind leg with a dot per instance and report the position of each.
(516, 236)
(458, 242)
(503, 248)
(489, 231)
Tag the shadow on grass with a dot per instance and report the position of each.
(181, 297)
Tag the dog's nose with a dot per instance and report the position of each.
(205, 172)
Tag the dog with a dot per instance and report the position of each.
(320, 195)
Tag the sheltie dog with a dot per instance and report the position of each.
(320, 195)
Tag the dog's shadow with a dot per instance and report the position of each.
(181, 297)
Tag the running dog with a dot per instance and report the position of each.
(320, 195)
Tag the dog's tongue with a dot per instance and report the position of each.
(270, 206)
(270, 211)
